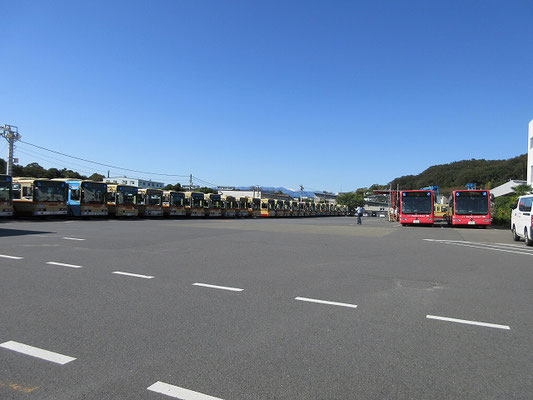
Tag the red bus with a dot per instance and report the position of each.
(469, 207)
(416, 207)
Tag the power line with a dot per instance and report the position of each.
(99, 163)
(50, 158)
(43, 159)
(204, 182)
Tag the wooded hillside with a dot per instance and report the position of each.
(485, 173)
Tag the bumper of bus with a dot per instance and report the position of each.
(6, 213)
(129, 212)
(93, 213)
(197, 213)
(153, 213)
(471, 221)
(50, 212)
(177, 212)
(415, 220)
(215, 212)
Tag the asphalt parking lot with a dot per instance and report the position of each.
(316, 308)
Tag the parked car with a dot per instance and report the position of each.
(522, 219)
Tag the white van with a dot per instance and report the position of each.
(522, 219)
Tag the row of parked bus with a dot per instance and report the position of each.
(84, 198)
(465, 207)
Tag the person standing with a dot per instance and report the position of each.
(359, 211)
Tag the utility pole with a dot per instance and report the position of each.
(301, 192)
(11, 134)
(190, 183)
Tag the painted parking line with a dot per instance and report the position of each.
(37, 352)
(71, 238)
(465, 321)
(331, 303)
(134, 275)
(232, 289)
(63, 264)
(179, 392)
(482, 246)
(11, 257)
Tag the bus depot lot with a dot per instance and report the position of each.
(264, 328)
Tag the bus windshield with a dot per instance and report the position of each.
(5, 191)
(93, 193)
(127, 196)
(197, 203)
(177, 200)
(153, 199)
(50, 191)
(416, 203)
(474, 203)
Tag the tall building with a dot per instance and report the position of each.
(530, 154)
(140, 183)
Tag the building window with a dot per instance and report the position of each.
(531, 143)
(131, 182)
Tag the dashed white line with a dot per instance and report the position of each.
(71, 238)
(37, 352)
(179, 392)
(11, 257)
(218, 287)
(332, 303)
(134, 275)
(63, 264)
(465, 321)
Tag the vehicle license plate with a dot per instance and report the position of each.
(416, 221)
(471, 222)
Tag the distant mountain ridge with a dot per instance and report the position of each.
(485, 173)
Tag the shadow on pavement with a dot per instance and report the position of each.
(20, 232)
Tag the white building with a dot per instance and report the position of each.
(530, 154)
(507, 188)
(140, 183)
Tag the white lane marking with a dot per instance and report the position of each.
(218, 287)
(37, 352)
(135, 275)
(68, 222)
(464, 321)
(63, 264)
(179, 392)
(71, 238)
(519, 246)
(333, 303)
(11, 257)
(483, 246)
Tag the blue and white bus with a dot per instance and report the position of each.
(86, 198)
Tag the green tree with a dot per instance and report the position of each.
(351, 199)
(177, 187)
(522, 189)
(96, 177)
(206, 190)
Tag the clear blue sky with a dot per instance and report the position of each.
(329, 94)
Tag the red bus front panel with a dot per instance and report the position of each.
(416, 207)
